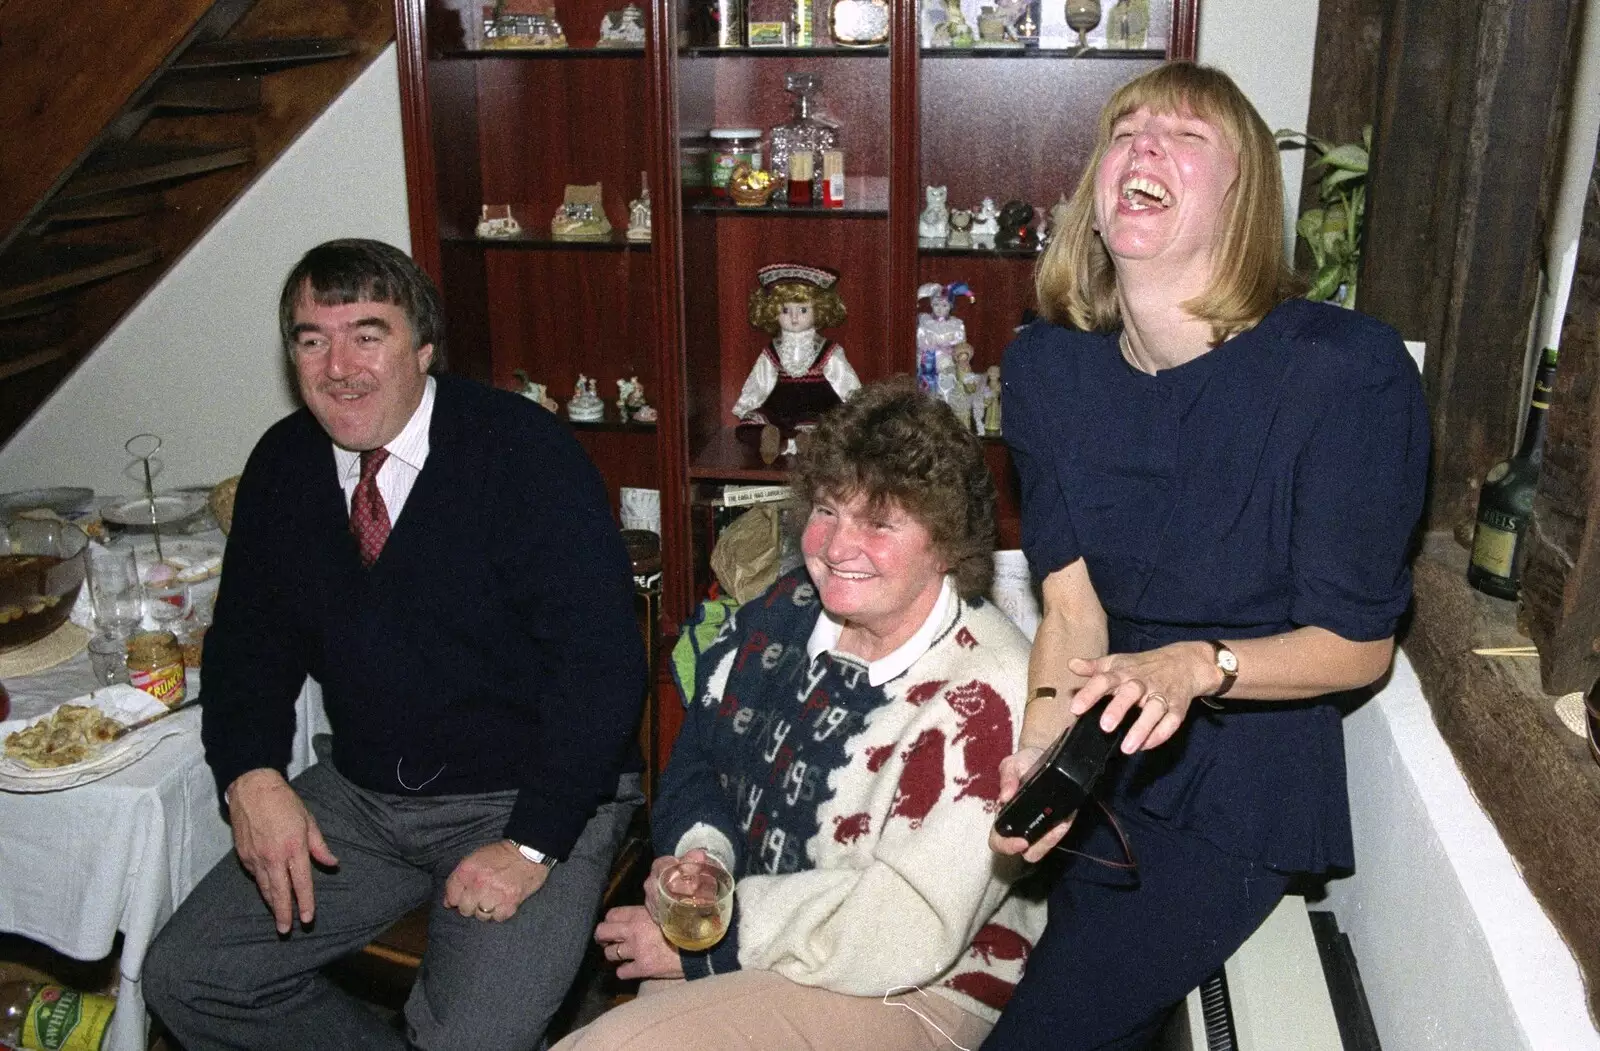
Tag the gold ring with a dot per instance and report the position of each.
(1157, 697)
(486, 912)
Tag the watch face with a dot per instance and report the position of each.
(1227, 662)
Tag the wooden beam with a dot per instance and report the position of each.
(1561, 582)
(1471, 106)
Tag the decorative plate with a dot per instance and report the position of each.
(169, 508)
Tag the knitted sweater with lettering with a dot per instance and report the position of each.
(856, 817)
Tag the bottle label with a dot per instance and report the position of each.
(61, 1019)
(1497, 472)
(164, 683)
(1494, 549)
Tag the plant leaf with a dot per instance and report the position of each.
(1326, 283)
(1349, 156)
(1341, 175)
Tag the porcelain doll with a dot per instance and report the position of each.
(938, 332)
(801, 373)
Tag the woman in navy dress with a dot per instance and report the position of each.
(1220, 485)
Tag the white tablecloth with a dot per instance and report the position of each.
(119, 854)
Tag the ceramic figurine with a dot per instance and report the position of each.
(581, 216)
(1016, 227)
(534, 392)
(639, 213)
(625, 392)
(622, 29)
(959, 396)
(525, 24)
(1128, 25)
(1055, 221)
(960, 229)
(585, 406)
(985, 224)
(801, 373)
(931, 14)
(991, 402)
(630, 402)
(496, 220)
(933, 226)
(938, 332)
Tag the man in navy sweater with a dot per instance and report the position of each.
(441, 557)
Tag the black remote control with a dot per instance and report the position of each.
(1064, 778)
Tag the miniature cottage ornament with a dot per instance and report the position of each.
(496, 220)
(622, 29)
(639, 213)
(581, 216)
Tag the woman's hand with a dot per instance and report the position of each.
(1013, 769)
(632, 940)
(1162, 682)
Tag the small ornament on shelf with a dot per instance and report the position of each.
(1128, 25)
(960, 228)
(938, 332)
(623, 28)
(991, 403)
(1016, 228)
(800, 374)
(1082, 16)
(585, 406)
(631, 404)
(750, 187)
(859, 23)
(997, 25)
(520, 24)
(581, 216)
(1055, 220)
(933, 225)
(806, 131)
(964, 382)
(985, 224)
(534, 392)
(954, 32)
(639, 212)
(496, 220)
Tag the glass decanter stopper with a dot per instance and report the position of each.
(806, 132)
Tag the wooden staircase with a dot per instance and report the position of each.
(126, 130)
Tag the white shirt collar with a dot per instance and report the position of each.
(410, 446)
(825, 636)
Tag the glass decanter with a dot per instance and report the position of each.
(807, 132)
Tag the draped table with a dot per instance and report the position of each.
(80, 865)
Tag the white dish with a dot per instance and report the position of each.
(169, 508)
(123, 703)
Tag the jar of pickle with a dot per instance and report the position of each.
(155, 665)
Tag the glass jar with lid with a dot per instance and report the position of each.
(729, 148)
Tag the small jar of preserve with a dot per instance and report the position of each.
(729, 148)
(155, 665)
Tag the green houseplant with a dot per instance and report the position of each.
(1333, 231)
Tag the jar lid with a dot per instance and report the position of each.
(736, 133)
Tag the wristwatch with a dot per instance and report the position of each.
(1227, 664)
(538, 857)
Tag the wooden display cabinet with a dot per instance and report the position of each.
(515, 127)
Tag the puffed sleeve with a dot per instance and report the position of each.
(1031, 369)
(1358, 494)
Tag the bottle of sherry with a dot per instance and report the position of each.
(1506, 499)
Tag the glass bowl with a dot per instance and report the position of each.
(42, 567)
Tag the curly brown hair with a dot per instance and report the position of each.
(896, 444)
(827, 309)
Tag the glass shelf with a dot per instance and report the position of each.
(1042, 53)
(785, 211)
(544, 52)
(982, 253)
(880, 51)
(616, 242)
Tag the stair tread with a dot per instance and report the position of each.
(235, 55)
(41, 269)
(133, 164)
(14, 364)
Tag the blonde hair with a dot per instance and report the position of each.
(827, 309)
(1076, 281)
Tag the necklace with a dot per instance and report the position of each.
(1129, 356)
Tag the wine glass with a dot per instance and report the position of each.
(114, 589)
(693, 903)
(1083, 15)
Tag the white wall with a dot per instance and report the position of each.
(1267, 46)
(199, 361)
(1454, 951)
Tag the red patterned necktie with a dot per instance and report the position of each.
(369, 519)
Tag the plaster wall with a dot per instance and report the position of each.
(198, 361)
(1454, 951)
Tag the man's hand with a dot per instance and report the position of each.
(277, 839)
(634, 942)
(492, 881)
(1013, 769)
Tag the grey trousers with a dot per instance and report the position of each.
(220, 976)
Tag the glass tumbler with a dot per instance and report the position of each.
(108, 657)
(114, 589)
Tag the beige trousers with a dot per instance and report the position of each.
(762, 1011)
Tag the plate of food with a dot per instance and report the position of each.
(82, 740)
(168, 508)
(192, 561)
